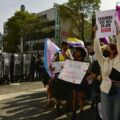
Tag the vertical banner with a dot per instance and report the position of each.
(105, 21)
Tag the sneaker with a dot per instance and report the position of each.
(74, 116)
(50, 104)
(58, 109)
(81, 114)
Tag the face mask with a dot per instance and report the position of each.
(106, 53)
(92, 53)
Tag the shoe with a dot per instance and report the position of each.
(81, 114)
(50, 104)
(58, 109)
(74, 116)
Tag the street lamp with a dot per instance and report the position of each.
(21, 46)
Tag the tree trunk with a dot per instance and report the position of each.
(82, 26)
(93, 25)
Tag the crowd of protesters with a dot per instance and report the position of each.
(100, 85)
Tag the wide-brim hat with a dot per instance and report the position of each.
(82, 50)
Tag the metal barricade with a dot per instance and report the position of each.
(26, 66)
(17, 68)
(1, 69)
(6, 67)
(11, 67)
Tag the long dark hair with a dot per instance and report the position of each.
(114, 48)
(83, 53)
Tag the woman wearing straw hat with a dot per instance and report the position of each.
(78, 89)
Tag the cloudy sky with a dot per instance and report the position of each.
(8, 7)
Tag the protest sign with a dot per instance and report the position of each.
(105, 21)
(73, 71)
(58, 66)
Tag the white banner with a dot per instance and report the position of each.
(105, 21)
(73, 71)
(58, 66)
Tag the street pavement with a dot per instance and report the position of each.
(28, 101)
(20, 87)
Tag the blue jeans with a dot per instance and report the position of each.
(110, 106)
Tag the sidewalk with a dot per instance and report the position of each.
(20, 87)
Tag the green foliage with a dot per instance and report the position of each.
(78, 13)
(22, 24)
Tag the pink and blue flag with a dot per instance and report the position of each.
(50, 49)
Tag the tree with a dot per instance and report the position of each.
(0, 36)
(1, 40)
(22, 24)
(78, 13)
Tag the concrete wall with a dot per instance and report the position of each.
(50, 14)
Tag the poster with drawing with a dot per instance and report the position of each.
(58, 66)
(105, 21)
(73, 71)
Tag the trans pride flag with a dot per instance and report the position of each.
(50, 49)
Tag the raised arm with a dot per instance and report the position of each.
(118, 43)
(98, 52)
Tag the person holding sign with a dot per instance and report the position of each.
(110, 87)
(79, 89)
(61, 89)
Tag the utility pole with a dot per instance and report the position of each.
(93, 25)
(21, 43)
(57, 24)
(82, 25)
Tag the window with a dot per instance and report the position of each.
(44, 16)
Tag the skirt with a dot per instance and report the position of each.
(61, 90)
(80, 87)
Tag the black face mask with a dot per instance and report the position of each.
(92, 53)
(106, 53)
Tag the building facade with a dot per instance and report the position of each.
(58, 32)
(37, 45)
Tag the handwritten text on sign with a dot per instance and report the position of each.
(106, 23)
(58, 66)
(73, 71)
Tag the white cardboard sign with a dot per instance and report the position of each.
(105, 21)
(58, 66)
(73, 71)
